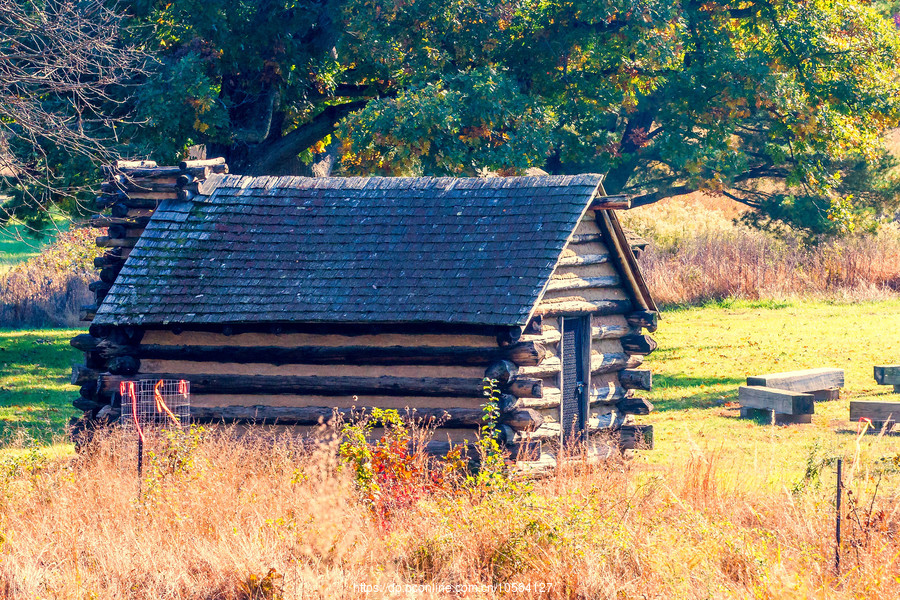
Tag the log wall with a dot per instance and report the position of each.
(587, 281)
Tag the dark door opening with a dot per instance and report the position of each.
(575, 381)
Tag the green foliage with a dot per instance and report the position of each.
(780, 105)
(169, 456)
(492, 473)
(470, 121)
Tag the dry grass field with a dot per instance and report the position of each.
(266, 519)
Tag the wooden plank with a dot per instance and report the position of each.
(826, 395)
(888, 375)
(878, 412)
(801, 381)
(780, 419)
(780, 401)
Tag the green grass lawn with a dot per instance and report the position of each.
(706, 353)
(35, 395)
(17, 246)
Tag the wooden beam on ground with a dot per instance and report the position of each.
(768, 416)
(877, 412)
(801, 381)
(887, 375)
(777, 400)
(826, 395)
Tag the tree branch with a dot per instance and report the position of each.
(274, 158)
(645, 199)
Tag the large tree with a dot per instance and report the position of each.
(779, 104)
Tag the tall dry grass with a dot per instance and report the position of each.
(697, 254)
(268, 518)
(49, 289)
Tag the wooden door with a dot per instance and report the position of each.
(575, 348)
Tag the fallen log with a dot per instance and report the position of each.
(806, 380)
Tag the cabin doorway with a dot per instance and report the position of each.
(574, 382)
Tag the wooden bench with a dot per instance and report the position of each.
(888, 375)
(881, 414)
(787, 406)
(823, 384)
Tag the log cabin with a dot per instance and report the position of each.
(288, 300)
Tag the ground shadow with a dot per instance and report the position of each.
(696, 395)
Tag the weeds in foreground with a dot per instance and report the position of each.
(267, 516)
(396, 471)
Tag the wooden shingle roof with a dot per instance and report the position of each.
(350, 250)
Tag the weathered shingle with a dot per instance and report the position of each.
(375, 250)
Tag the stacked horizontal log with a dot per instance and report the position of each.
(130, 194)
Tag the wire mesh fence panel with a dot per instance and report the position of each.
(155, 403)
